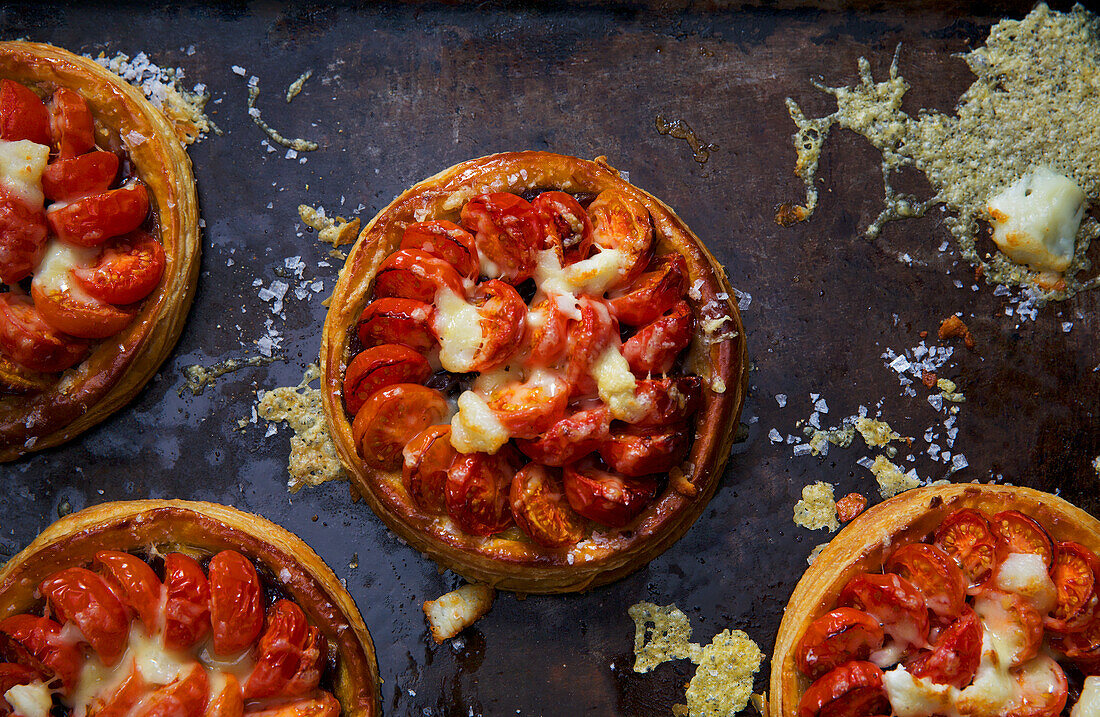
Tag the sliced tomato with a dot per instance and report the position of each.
(92, 220)
(528, 409)
(118, 702)
(894, 601)
(135, 583)
(127, 270)
(851, 505)
(22, 237)
(22, 114)
(477, 490)
(10, 676)
(1017, 533)
(570, 439)
(965, 536)
(588, 337)
(956, 654)
(445, 240)
(415, 274)
(394, 320)
(391, 417)
(503, 322)
(1018, 625)
(236, 602)
(541, 509)
(507, 234)
(279, 651)
(565, 224)
(1083, 647)
(324, 705)
(635, 451)
(546, 335)
(668, 400)
(186, 609)
(605, 497)
(837, 637)
(648, 296)
(310, 666)
(622, 223)
(79, 596)
(185, 697)
(428, 457)
(1074, 574)
(66, 313)
(89, 173)
(1043, 689)
(40, 636)
(29, 341)
(851, 690)
(381, 366)
(653, 350)
(935, 574)
(229, 702)
(70, 123)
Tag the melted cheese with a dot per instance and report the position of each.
(21, 167)
(593, 276)
(54, 272)
(1026, 575)
(1088, 705)
(916, 697)
(475, 428)
(458, 326)
(1035, 220)
(617, 385)
(993, 689)
(33, 700)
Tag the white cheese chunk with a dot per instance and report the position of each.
(21, 167)
(592, 276)
(475, 428)
(993, 689)
(1035, 220)
(1088, 705)
(617, 385)
(454, 612)
(31, 700)
(916, 697)
(458, 326)
(1026, 575)
(54, 272)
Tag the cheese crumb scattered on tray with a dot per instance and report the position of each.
(452, 613)
(331, 230)
(891, 480)
(876, 434)
(817, 509)
(661, 633)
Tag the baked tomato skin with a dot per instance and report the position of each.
(40, 637)
(126, 271)
(570, 438)
(135, 583)
(1017, 533)
(478, 490)
(1074, 572)
(892, 600)
(22, 114)
(70, 123)
(955, 656)
(90, 173)
(308, 675)
(22, 237)
(92, 220)
(503, 323)
(279, 651)
(390, 418)
(669, 400)
(229, 702)
(187, 607)
(851, 690)
(428, 458)
(507, 234)
(381, 366)
(566, 226)
(541, 510)
(545, 334)
(528, 409)
(649, 295)
(638, 452)
(185, 697)
(395, 320)
(654, 349)
(935, 574)
(605, 497)
(1043, 689)
(29, 341)
(236, 602)
(587, 338)
(445, 240)
(69, 315)
(622, 223)
(415, 274)
(80, 596)
(965, 536)
(837, 637)
(10, 676)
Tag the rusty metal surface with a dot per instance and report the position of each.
(400, 92)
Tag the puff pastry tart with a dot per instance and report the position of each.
(978, 600)
(99, 244)
(153, 608)
(533, 370)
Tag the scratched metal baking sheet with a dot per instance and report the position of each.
(400, 92)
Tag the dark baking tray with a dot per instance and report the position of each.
(412, 89)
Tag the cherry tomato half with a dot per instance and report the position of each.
(22, 237)
(894, 602)
(851, 690)
(637, 452)
(391, 417)
(92, 220)
(477, 490)
(428, 457)
(381, 366)
(1017, 533)
(565, 224)
(89, 173)
(1014, 620)
(236, 602)
(653, 350)
(503, 322)
(1074, 575)
(668, 400)
(445, 240)
(935, 574)
(229, 702)
(279, 651)
(541, 509)
(80, 596)
(324, 705)
(527, 409)
(119, 701)
(308, 675)
(837, 637)
(70, 123)
(605, 497)
(647, 297)
(1043, 689)
(571, 438)
(546, 333)
(955, 656)
(40, 637)
(966, 537)
(29, 341)
(1082, 647)
(185, 697)
(415, 274)
(395, 320)
(66, 313)
(186, 608)
(622, 223)
(851, 505)
(127, 270)
(587, 338)
(135, 583)
(22, 114)
(507, 234)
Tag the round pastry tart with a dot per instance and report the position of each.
(950, 600)
(99, 244)
(533, 371)
(152, 608)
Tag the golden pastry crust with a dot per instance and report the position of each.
(121, 365)
(866, 542)
(201, 529)
(508, 560)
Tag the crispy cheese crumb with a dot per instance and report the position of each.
(891, 480)
(331, 230)
(661, 633)
(817, 509)
(452, 613)
(1096, 466)
(199, 376)
(297, 144)
(876, 434)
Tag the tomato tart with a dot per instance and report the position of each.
(99, 244)
(533, 371)
(949, 600)
(152, 608)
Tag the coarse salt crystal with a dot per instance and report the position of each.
(781, 399)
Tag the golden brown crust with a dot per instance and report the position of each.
(866, 542)
(201, 529)
(510, 561)
(120, 366)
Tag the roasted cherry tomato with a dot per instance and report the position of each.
(1017, 533)
(894, 601)
(279, 651)
(391, 417)
(22, 114)
(92, 220)
(135, 583)
(966, 537)
(851, 690)
(236, 602)
(570, 439)
(477, 490)
(127, 270)
(668, 400)
(1082, 647)
(653, 350)
(1043, 689)
(395, 320)
(637, 452)
(837, 637)
(186, 609)
(647, 297)
(527, 409)
(954, 658)
(1074, 574)
(503, 321)
(229, 702)
(308, 675)
(546, 332)
(622, 223)
(415, 274)
(22, 237)
(565, 224)
(428, 457)
(935, 574)
(324, 705)
(507, 234)
(70, 123)
(10, 676)
(851, 505)
(89, 173)
(607, 498)
(40, 636)
(445, 240)
(185, 697)
(595, 332)
(119, 701)
(66, 313)
(29, 341)
(79, 596)
(1018, 625)
(541, 509)
(381, 366)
